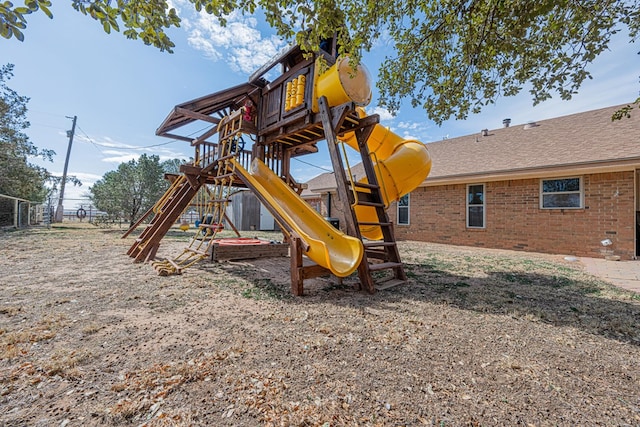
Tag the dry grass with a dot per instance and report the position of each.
(92, 328)
(10, 310)
(65, 361)
(477, 337)
(18, 342)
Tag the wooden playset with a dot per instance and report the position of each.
(314, 98)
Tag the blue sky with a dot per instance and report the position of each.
(121, 90)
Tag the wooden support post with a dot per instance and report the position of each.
(297, 280)
(152, 252)
(138, 222)
(233, 227)
(286, 165)
(345, 196)
(366, 281)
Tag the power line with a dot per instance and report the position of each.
(311, 164)
(144, 146)
(98, 145)
(117, 147)
(47, 113)
(95, 144)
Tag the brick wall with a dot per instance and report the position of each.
(515, 221)
(321, 205)
(337, 210)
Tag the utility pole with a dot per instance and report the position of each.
(70, 133)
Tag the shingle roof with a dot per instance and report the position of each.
(583, 139)
(578, 139)
(326, 182)
(320, 184)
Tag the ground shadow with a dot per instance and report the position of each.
(560, 297)
(539, 290)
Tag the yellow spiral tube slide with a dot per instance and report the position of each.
(401, 165)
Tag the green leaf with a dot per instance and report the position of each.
(448, 57)
(18, 34)
(5, 31)
(46, 11)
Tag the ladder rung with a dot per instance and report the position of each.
(363, 203)
(365, 194)
(197, 252)
(376, 254)
(174, 265)
(226, 175)
(212, 226)
(374, 244)
(233, 131)
(389, 284)
(365, 185)
(384, 265)
(227, 157)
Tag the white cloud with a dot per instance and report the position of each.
(383, 113)
(119, 152)
(118, 157)
(384, 41)
(199, 42)
(240, 43)
(121, 156)
(408, 125)
(87, 177)
(103, 141)
(76, 196)
(413, 130)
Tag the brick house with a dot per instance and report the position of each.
(568, 185)
(320, 193)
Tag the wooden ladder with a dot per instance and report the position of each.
(167, 211)
(382, 254)
(217, 169)
(379, 254)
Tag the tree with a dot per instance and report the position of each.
(172, 166)
(131, 189)
(450, 57)
(625, 112)
(18, 177)
(144, 19)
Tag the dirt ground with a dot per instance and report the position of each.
(477, 337)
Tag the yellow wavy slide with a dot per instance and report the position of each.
(401, 165)
(328, 246)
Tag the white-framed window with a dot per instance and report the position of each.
(475, 206)
(403, 210)
(561, 193)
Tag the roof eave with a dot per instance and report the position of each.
(615, 165)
